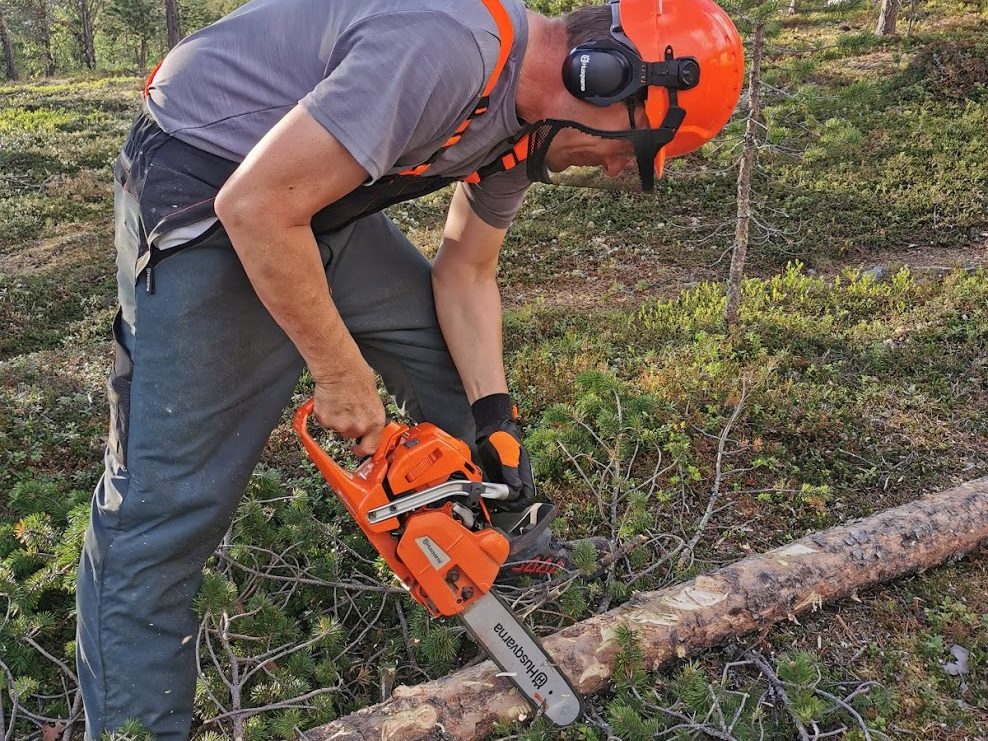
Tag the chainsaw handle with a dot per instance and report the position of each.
(336, 475)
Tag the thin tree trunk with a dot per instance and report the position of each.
(793, 7)
(745, 169)
(174, 22)
(9, 63)
(42, 22)
(887, 17)
(142, 56)
(748, 595)
(86, 34)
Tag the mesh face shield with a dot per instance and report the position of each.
(646, 143)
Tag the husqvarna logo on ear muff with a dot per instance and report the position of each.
(584, 62)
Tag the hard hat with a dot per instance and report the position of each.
(682, 58)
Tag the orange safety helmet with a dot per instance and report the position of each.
(682, 58)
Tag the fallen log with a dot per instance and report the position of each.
(747, 595)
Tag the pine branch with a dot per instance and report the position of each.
(715, 490)
(776, 684)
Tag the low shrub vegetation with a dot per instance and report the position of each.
(839, 393)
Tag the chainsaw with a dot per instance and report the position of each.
(421, 501)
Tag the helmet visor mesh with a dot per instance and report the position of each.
(646, 143)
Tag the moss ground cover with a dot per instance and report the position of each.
(855, 395)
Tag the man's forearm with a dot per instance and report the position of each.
(288, 276)
(469, 310)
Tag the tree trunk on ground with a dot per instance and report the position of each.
(9, 63)
(748, 595)
(173, 21)
(887, 17)
(745, 169)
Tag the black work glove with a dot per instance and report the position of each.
(500, 452)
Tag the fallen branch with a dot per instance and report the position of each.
(750, 594)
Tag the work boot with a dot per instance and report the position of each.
(535, 550)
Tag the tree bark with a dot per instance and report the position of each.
(748, 595)
(86, 34)
(173, 21)
(887, 17)
(41, 12)
(9, 63)
(745, 170)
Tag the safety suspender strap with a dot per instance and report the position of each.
(147, 83)
(514, 156)
(506, 32)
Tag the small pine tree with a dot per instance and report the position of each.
(629, 662)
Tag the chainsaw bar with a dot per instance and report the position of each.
(522, 659)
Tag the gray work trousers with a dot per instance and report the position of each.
(201, 377)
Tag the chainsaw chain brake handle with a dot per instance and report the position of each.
(445, 565)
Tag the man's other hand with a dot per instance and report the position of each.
(500, 452)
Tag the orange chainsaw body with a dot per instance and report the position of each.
(445, 565)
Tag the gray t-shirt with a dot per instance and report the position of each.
(390, 79)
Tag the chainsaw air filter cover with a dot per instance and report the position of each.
(427, 457)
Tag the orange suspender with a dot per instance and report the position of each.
(517, 154)
(147, 84)
(507, 33)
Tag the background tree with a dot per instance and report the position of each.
(173, 21)
(37, 30)
(82, 27)
(136, 24)
(9, 62)
(887, 17)
(756, 19)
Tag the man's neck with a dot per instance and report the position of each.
(539, 82)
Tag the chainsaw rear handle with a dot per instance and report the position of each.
(338, 477)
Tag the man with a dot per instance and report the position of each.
(251, 243)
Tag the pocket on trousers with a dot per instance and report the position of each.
(118, 394)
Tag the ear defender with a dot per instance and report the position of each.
(598, 72)
(607, 71)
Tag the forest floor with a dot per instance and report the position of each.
(863, 346)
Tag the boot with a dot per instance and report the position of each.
(534, 550)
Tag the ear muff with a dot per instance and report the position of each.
(599, 72)
(605, 71)
(608, 71)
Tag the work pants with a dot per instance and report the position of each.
(202, 374)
